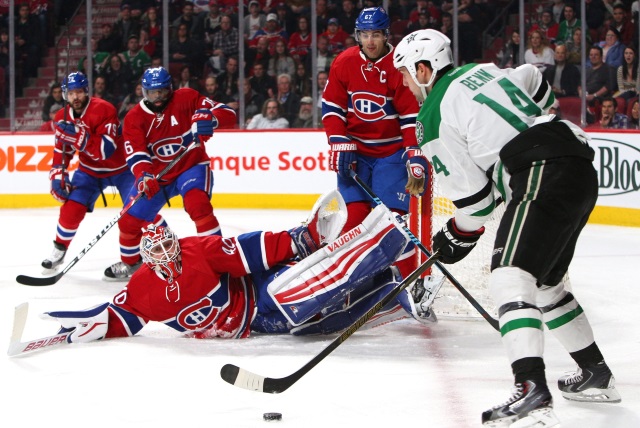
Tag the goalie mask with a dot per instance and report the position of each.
(160, 250)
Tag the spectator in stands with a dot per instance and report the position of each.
(49, 124)
(212, 91)
(627, 76)
(433, 13)
(610, 118)
(469, 30)
(228, 81)
(305, 114)
(186, 80)
(300, 41)
(301, 81)
(254, 21)
(182, 49)
(195, 30)
(623, 24)
(595, 12)
(335, 36)
(612, 49)
(324, 58)
(212, 21)
(38, 9)
(322, 16)
(349, 42)
(547, 26)
(347, 19)
(286, 19)
(28, 41)
(224, 45)
(289, 101)
(271, 118)
(321, 81)
(136, 59)
(253, 102)
(538, 52)
(569, 25)
(130, 101)
(421, 24)
(281, 62)
(634, 119)
(100, 90)
(118, 79)
(557, 9)
(446, 26)
(271, 32)
(262, 83)
(109, 41)
(125, 27)
(574, 47)
(53, 99)
(153, 26)
(259, 54)
(599, 80)
(563, 77)
(510, 55)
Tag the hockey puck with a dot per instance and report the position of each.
(272, 417)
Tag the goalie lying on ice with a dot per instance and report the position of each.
(304, 281)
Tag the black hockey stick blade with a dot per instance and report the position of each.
(38, 282)
(245, 379)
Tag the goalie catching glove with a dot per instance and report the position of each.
(342, 155)
(417, 169)
(71, 134)
(60, 184)
(203, 123)
(454, 244)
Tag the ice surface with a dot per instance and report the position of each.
(403, 374)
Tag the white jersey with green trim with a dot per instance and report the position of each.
(470, 114)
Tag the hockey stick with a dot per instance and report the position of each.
(494, 322)
(50, 280)
(17, 347)
(241, 378)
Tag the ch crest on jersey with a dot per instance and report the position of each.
(419, 132)
(165, 150)
(368, 106)
(198, 315)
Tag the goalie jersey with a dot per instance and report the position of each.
(367, 102)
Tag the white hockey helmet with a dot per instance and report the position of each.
(160, 250)
(423, 45)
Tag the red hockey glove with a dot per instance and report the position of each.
(342, 156)
(203, 122)
(69, 133)
(417, 169)
(454, 244)
(148, 184)
(60, 184)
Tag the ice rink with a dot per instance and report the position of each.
(399, 375)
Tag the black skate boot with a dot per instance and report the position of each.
(594, 383)
(530, 405)
(56, 258)
(120, 271)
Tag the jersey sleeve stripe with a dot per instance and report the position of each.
(131, 323)
(475, 198)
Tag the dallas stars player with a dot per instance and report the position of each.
(484, 130)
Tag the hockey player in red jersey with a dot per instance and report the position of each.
(369, 118)
(89, 126)
(155, 131)
(209, 286)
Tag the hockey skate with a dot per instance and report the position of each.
(591, 383)
(120, 271)
(530, 406)
(55, 259)
(424, 292)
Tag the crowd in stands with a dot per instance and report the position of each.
(204, 45)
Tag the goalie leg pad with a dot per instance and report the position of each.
(328, 275)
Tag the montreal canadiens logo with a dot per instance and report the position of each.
(167, 149)
(368, 107)
(419, 132)
(199, 315)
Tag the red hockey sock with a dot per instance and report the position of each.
(71, 215)
(356, 213)
(198, 206)
(130, 235)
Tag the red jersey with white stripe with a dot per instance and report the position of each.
(153, 140)
(100, 120)
(367, 102)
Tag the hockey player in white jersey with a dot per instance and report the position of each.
(485, 131)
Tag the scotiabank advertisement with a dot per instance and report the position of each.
(289, 166)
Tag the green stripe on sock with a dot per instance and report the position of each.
(520, 323)
(564, 319)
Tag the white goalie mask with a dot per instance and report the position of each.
(423, 45)
(160, 250)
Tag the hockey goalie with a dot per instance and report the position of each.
(307, 280)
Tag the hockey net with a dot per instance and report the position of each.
(428, 215)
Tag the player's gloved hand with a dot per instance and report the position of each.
(342, 156)
(83, 326)
(454, 244)
(203, 122)
(70, 133)
(417, 169)
(60, 184)
(148, 184)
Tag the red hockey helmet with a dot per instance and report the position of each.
(160, 250)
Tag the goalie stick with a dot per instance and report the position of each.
(17, 347)
(494, 322)
(50, 280)
(241, 378)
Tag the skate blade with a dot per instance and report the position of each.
(539, 418)
(594, 395)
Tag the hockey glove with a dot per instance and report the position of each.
(148, 184)
(203, 122)
(83, 326)
(454, 244)
(60, 184)
(342, 156)
(417, 169)
(69, 133)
